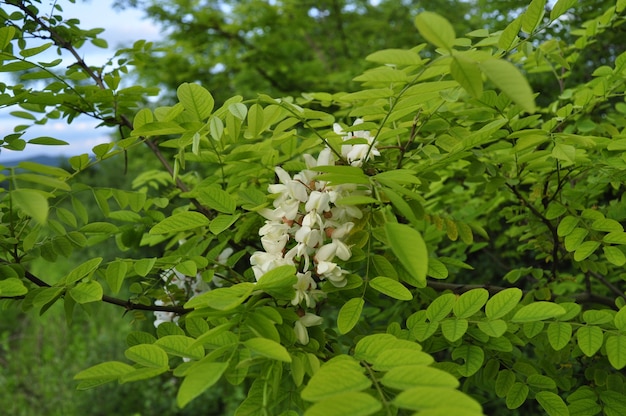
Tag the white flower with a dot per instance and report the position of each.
(332, 272)
(301, 325)
(318, 201)
(306, 290)
(263, 262)
(355, 154)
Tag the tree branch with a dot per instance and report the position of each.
(126, 304)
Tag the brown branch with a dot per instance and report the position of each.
(548, 223)
(62, 43)
(608, 284)
(126, 304)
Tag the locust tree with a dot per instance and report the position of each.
(437, 241)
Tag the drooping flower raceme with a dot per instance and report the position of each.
(308, 230)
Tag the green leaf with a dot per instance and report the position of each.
(616, 351)
(181, 221)
(538, 311)
(559, 334)
(36, 50)
(590, 339)
(516, 396)
(575, 238)
(143, 373)
(468, 75)
(614, 255)
(552, 403)
(509, 34)
(533, 15)
(400, 57)
(223, 299)
(435, 29)
(440, 307)
(325, 382)
(6, 35)
(85, 292)
(408, 245)
(12, 287)
(144, 266)
(198, 378)
(196, 100)
(356, 200)
(103, 373)
(454, 329)
(495, 328)
(504, 382)
(615, 238)
(508, 78)
(398, 357)
(147, 355)
(540, 382)
(255, 121)
(502, 303)
(268, 348)
(391, 288)
(585, 250)
(407, 376)
(444, 401)
(181, 346)
(620, 319)
(48, 141)
(115, 274)
(561, 7)
(472, 356)
(349, 403)
(349, 315)
(567, 225)
(470, 302)
(216, 198)
(83, 270)
(278, 279)
(159, 128)
(32, 203)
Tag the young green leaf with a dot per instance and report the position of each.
(348, 403)
(268, 348)
(502, 303)
(440, 307)
(472, 356)
(616, 351)
(215, 197)
(196, 100)
(325, 382)
(504, 382)
(438, 400)
(533, 15)
(349, 315)
(407, 376)
(454, 329)
(33, 203)
(470, 302)
(467, 74)
(147, 355)
(102, 373)
(590, 339)
(538, 311)
(12, 287)
(391, 288)
(559, 334)
(510, 80)
(561, 7)
(198, 378)
(181, 221)
(435, 29)
(408, 245)
(85, 292)
(495, 328)
(552, 403)
(516, 396)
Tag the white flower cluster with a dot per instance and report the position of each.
(307, 230)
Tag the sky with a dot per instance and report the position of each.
(121, 28)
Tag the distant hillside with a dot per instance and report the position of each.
(41, 159)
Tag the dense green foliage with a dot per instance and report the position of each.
(440, 240)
